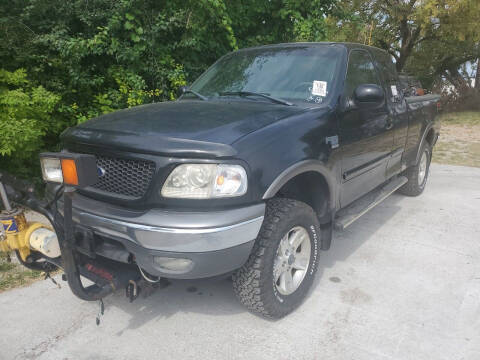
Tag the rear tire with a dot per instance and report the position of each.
(417, 175)
(281, 268)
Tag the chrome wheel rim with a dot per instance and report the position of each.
(292, 260)
(422, 169)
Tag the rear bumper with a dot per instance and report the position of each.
(215, 242)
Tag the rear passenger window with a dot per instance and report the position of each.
(360, 71)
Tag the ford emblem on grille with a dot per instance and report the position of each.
(101, 171)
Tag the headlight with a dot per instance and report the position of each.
(204, 181)
(51, 169)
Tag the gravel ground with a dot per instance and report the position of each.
(403, 282)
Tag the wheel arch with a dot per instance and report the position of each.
(428, 135)
(307, 171)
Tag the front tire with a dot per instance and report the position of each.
(281, 268)
(417, 175)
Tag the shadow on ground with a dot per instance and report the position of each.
(215, 296)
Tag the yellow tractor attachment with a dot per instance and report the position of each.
(27, 239)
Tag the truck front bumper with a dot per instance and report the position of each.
(206, 243)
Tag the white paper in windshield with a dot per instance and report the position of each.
(394, 90)
(319, 88)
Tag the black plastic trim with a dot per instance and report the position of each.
(300, 168)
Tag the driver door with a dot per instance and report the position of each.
(365, 132)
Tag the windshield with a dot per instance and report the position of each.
(299, 73)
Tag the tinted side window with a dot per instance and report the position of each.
(387, 68)
(360, 71)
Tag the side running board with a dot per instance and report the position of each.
(355, 210)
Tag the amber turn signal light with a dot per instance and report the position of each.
(69, 171)
(78, 170)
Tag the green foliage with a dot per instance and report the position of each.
(430, 39)
(64, 62)
(25, 117)
(274, 21)
(84, 59)
(441, 60)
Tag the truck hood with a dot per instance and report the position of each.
(180, 128)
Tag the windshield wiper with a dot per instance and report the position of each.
(250, 93)
(200, 96)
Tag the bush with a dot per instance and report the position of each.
(26, 119)
(469, 101)
(84, 59)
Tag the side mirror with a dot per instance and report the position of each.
(369, 94)
(181, 90)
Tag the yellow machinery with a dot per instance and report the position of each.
(47, 247)
(22, 237)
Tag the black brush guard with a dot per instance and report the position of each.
(107, 276)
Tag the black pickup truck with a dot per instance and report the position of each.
(248, 173)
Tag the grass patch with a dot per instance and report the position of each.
(453, 154)
(461, 118)
(13, 275)
(459, 141)
(5, 266)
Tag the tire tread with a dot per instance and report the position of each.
(248, 283)
(411, 188)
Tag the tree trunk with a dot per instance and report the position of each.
(477, 77)
(458, 81)
(409, 38)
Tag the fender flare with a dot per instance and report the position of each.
(300, 168)
(423, 139)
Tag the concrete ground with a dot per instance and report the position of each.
(403, 282)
